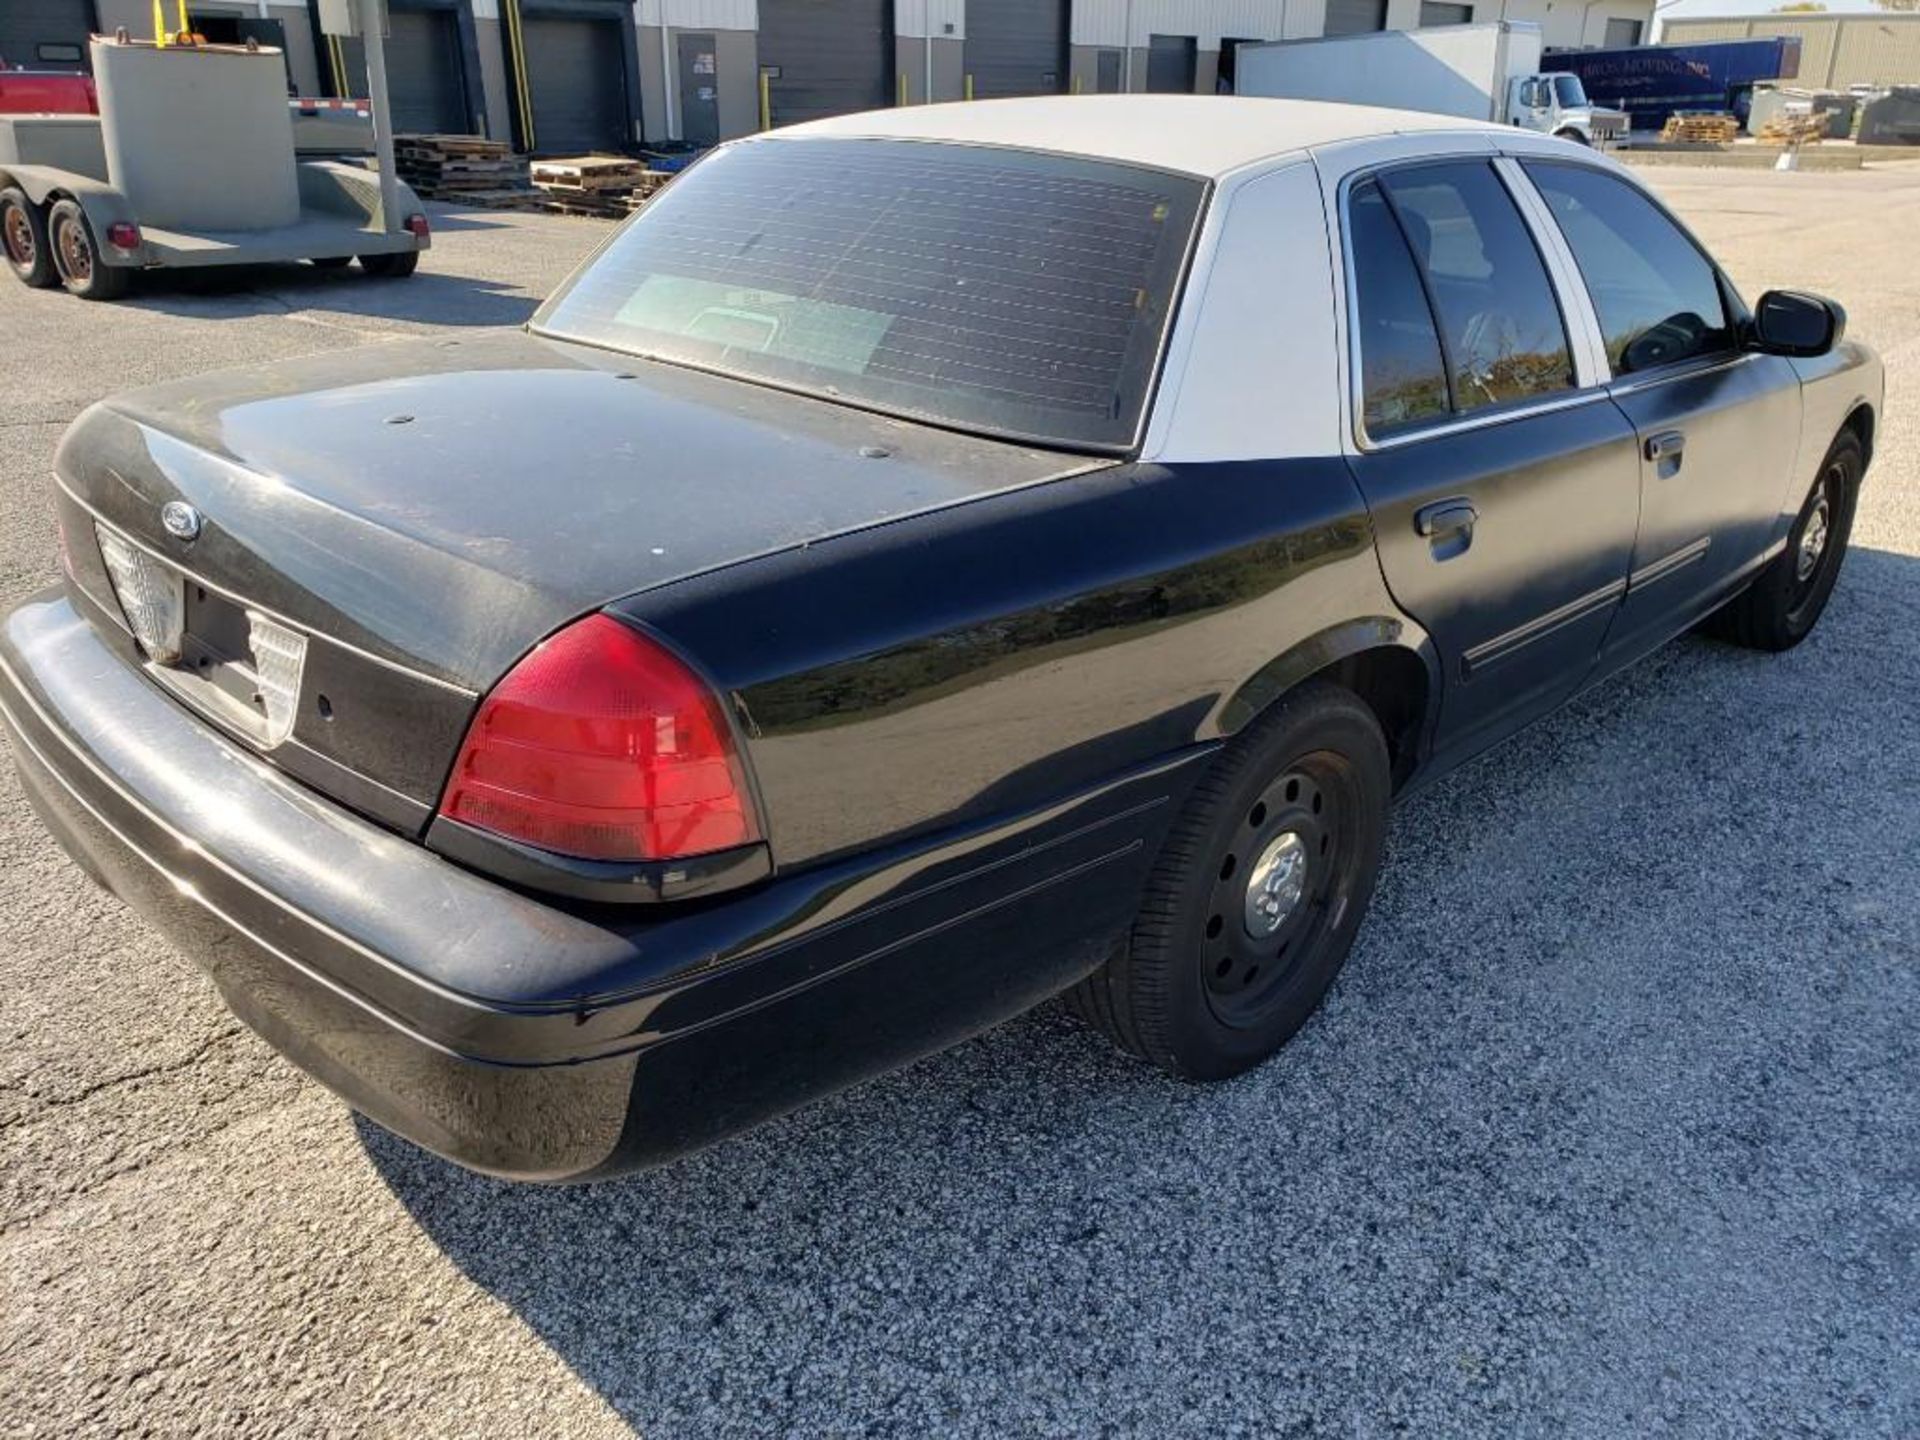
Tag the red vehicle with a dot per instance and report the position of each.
(46, 92)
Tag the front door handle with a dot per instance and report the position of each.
(1664, 450)
(1448, 524)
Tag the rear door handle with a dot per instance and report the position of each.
(1448, 524)
(1664, 450)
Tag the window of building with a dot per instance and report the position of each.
(1623, 33)
(1437, 12)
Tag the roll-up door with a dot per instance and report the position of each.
(1355, 17)
(577, 77)
(1170, 64)
(826, 57)
(1017, 47)
(424, 81)
(45, 34)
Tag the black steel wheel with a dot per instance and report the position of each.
(1257, 894)
(1783, 604)
(77, 257)
(23, 238)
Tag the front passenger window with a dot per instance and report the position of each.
(1657, 296)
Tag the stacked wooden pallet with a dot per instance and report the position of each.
(610, 186)
(464, 169)
(1793, 127)
(1700, 129)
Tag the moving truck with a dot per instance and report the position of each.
(1478, 72)
(1651, 82)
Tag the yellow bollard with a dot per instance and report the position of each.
(969, 87)
(159, 24)
(766, 101)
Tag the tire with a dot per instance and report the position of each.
(331, 262)
(1786, 600)
(1574, 135)
(394, 266)
(1204, 988)
(23, 239)
(77, 257)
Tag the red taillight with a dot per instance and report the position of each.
(123, 235)
(417, 225)
(601, 744)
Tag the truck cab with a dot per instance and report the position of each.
(1558, 105)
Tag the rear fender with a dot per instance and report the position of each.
(337, 189)
(100, 202)
(1327, 651)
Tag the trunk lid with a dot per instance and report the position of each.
(425, 512)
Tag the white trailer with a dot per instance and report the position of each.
(1477, 72)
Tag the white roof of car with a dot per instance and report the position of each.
(1200, 134)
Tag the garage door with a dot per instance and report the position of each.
(45, 34)
(1017, 47)
(577, 76)
(1355, 17)
(424, 83)
(826, 57)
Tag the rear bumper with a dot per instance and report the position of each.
(517, 1037)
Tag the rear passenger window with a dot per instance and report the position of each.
(1657, 296)
(1403, 379)
(1500, 325)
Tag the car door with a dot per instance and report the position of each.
(1502, 481)
(1718, 425)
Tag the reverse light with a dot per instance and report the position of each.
(151, 596)
(279, 657)
(601, 744)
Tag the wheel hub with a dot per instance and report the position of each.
(1275, 885)
(19, 238)
(1813, 540)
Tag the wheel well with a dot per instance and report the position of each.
(1861, 423)
(1395, 686)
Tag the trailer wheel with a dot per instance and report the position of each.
(78, 258)
(23, 235)
(396, 265)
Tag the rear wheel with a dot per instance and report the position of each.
(23, 237)
(395, 265)
(1257, 894)
(1781, 607)
(77, 257)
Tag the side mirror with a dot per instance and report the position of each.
(1788, 322)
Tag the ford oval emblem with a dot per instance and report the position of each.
(181, 520)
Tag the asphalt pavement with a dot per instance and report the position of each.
(1609, 1128)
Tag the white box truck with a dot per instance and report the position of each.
(1478, 72)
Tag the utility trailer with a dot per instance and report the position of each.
(191, 162)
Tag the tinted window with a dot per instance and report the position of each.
(1500, 324)
(1658, 298)
(1403, 379)
(989, 289)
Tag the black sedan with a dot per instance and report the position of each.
(924, 563)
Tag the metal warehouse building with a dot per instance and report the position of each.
(571, 76)
(1836, 51)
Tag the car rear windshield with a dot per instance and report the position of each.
(995, 290)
